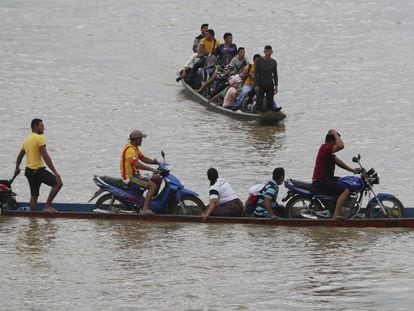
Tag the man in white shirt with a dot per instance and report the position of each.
(223, 200)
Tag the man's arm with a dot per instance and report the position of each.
(19, 161)
(276, 78)
(210, 208)
(48, 160)
(268, 206)
(144, 167)
(345, 166)
(339, 143)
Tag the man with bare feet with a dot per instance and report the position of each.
(34, 147)
(132, 161)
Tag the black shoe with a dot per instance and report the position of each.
(278, 109)
(178, 79)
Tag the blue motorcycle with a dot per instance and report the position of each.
(304, 201)
(172, 198)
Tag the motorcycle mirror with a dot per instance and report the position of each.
(355, 159)
(163, 154)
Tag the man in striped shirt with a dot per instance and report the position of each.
(132, 160)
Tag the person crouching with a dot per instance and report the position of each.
(223, 200)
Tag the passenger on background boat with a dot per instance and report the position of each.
(132, 160)
(323, 173)
(186, 71)
(208, 74)
(203, 29)
(267, 206)
(223, 200)
(219, 97)
(265, 80)
(207, 46)
(238, 62)
(34, 148)
(247, 75)
(226, 51)
(231, 94)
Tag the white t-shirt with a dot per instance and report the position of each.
(222, 191)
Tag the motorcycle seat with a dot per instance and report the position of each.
(117, 182)
(305, 185)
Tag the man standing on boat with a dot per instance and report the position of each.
(323, 173)
(132, 160)
(266, 80)
(34, 147)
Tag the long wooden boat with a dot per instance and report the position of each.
(268, 117)
(86, 211)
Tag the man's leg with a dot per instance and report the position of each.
(240, 100)
(340, 202)
(152, 189)
(56, 183)
(52, 194)
(259, 99)
(33, 202)
(270, 93)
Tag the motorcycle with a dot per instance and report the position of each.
(172, 198)
(304, 201)
(7, 196)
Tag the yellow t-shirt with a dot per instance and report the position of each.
(130, 155)
(31, 145)
(209, 46)
(249, 80)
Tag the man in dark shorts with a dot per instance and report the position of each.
(34, 147)
(323, 173)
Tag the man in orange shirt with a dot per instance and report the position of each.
(34, 147)
(132, 160)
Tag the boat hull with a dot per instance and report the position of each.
(268, 117)
(85, 211)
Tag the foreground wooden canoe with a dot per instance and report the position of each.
(85, 211)
(268, 117)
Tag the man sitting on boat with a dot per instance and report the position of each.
(226, 51)
(238, 62)
(132, 160)
(223, 200)
(232, 92)
(247, 75)
(206, 47)
(267, 206)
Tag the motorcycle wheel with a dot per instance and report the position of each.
(299, 204)
(393, 206)
(188, 205)
(108, 203)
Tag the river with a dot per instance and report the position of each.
(95, 70)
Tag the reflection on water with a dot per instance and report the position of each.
(36, 237)
(195, 266)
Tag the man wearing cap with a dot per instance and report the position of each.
(132, 160)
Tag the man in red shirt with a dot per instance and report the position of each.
(323, 173)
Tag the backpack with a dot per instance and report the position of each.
(254, 194)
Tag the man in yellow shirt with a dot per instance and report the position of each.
(34, 147)
(206, 47)
(132, 160)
